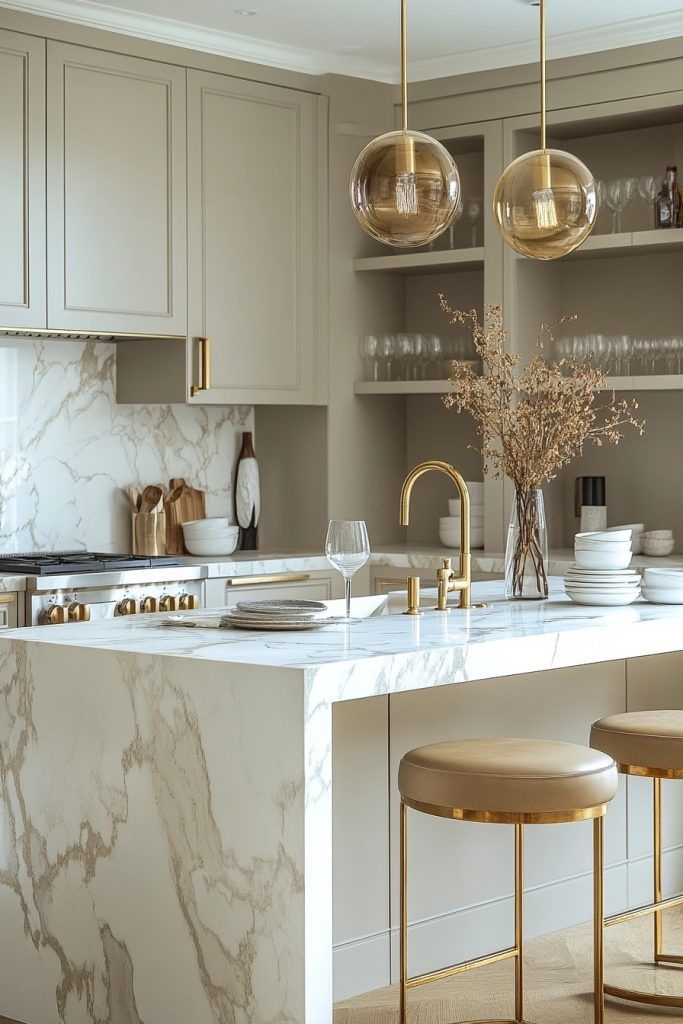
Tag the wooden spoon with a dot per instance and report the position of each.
(151, 496)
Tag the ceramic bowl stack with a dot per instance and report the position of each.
(601, 573)
(449, 526)
(637, 530)
(658, 543)
(663, 586)
(210, 537)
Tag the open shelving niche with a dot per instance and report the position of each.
(469, 275)
(626, 283)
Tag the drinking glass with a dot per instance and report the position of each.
(369, 350)
(347, 548)
(434, 356)
(648, 187)
(386, 352)
(451, 230)
(618, 195)
(404, 356)
(473, 213)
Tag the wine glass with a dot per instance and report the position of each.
(369, 350)
(451, 230)
(648, 187)
(473, 214)
(618, 195)
(347, 548)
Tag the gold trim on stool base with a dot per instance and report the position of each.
(509, 817)
(659, 904)
(515, 952)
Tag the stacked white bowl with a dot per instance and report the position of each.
(210, 537)
(449, 526)
(663, 586)
(601, 573)
(637, 530)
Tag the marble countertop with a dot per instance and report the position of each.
(504, 638)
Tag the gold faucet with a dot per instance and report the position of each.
(447, 580)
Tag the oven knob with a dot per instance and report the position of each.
(148, 604)
(128, 606)
(53, 615)
(187, 602)
(168, 603)
(79, 612)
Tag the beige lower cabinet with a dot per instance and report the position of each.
(116, 206)
(255, 221)
(22, 180)
(307, 586)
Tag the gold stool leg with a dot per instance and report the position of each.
(657, 825)
(519, 922)
(598, 920)
(403, 914)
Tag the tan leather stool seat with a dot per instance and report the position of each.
(647, 739)
(516, 776)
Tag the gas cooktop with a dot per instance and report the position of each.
(56, 562)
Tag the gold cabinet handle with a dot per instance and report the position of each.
(204, 367)
(256, 581)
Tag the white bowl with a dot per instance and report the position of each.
(622, 536)
(213, 546)
(657, 547)
(476, 507)
(599, 598)
(207, 525)
(658, 534)
(636, 531)
(606, 549)
(451, 538)
(670, 579)
(619, 559)
(660, 595)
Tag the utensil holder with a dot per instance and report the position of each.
(149, 533)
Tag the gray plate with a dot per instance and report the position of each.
(290, 608)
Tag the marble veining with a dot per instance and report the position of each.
(67, 448)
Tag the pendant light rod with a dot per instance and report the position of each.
(404, 64)
(542, 17)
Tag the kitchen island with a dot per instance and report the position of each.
(167, 801)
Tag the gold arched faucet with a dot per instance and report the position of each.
(447, 580)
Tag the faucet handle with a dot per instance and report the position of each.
(447, 564)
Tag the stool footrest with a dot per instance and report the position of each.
(652, 998)
(467, 965)
(668, 958)
(650, 908)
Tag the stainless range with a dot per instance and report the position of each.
(76, 586)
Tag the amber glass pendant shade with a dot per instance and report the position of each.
(405, 188)
(545, 204)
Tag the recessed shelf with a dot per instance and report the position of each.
(627, 243)
(655, 382)
(401, 387)
(424, 262)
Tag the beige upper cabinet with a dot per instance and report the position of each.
(254, 222)
(116, 192)
(22, 181)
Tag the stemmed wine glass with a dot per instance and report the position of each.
(473, 208)
(347, 548)
(618, 196)
(648, 187)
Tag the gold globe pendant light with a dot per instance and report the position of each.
(545, 203)
(405, 186)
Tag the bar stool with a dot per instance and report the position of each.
(511, 782)
(648, 744)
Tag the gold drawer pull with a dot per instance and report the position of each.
(258, 581)
(204, 367)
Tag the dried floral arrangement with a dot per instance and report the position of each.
(531, 420)
(536, 420)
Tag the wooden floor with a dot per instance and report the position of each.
(558, 983)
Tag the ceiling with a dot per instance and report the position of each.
(360, 37)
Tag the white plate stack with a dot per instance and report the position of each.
(449, 526)
(663, 586)
(276, 614)
(601, 574)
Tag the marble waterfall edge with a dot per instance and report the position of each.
(67, 448)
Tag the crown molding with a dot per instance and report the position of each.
(196, 37)
(636, 31)
(648, 29)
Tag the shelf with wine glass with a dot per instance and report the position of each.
(434, 262)
(627, 243)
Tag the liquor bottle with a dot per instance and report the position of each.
(248, 494)
(669, 203)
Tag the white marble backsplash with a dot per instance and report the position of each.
(67, 449)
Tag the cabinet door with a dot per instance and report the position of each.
(252, 193)
(308, 590)
(22, 181)
(116, 193)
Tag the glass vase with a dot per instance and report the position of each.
(526, 553)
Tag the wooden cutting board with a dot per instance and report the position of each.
(183, 505)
